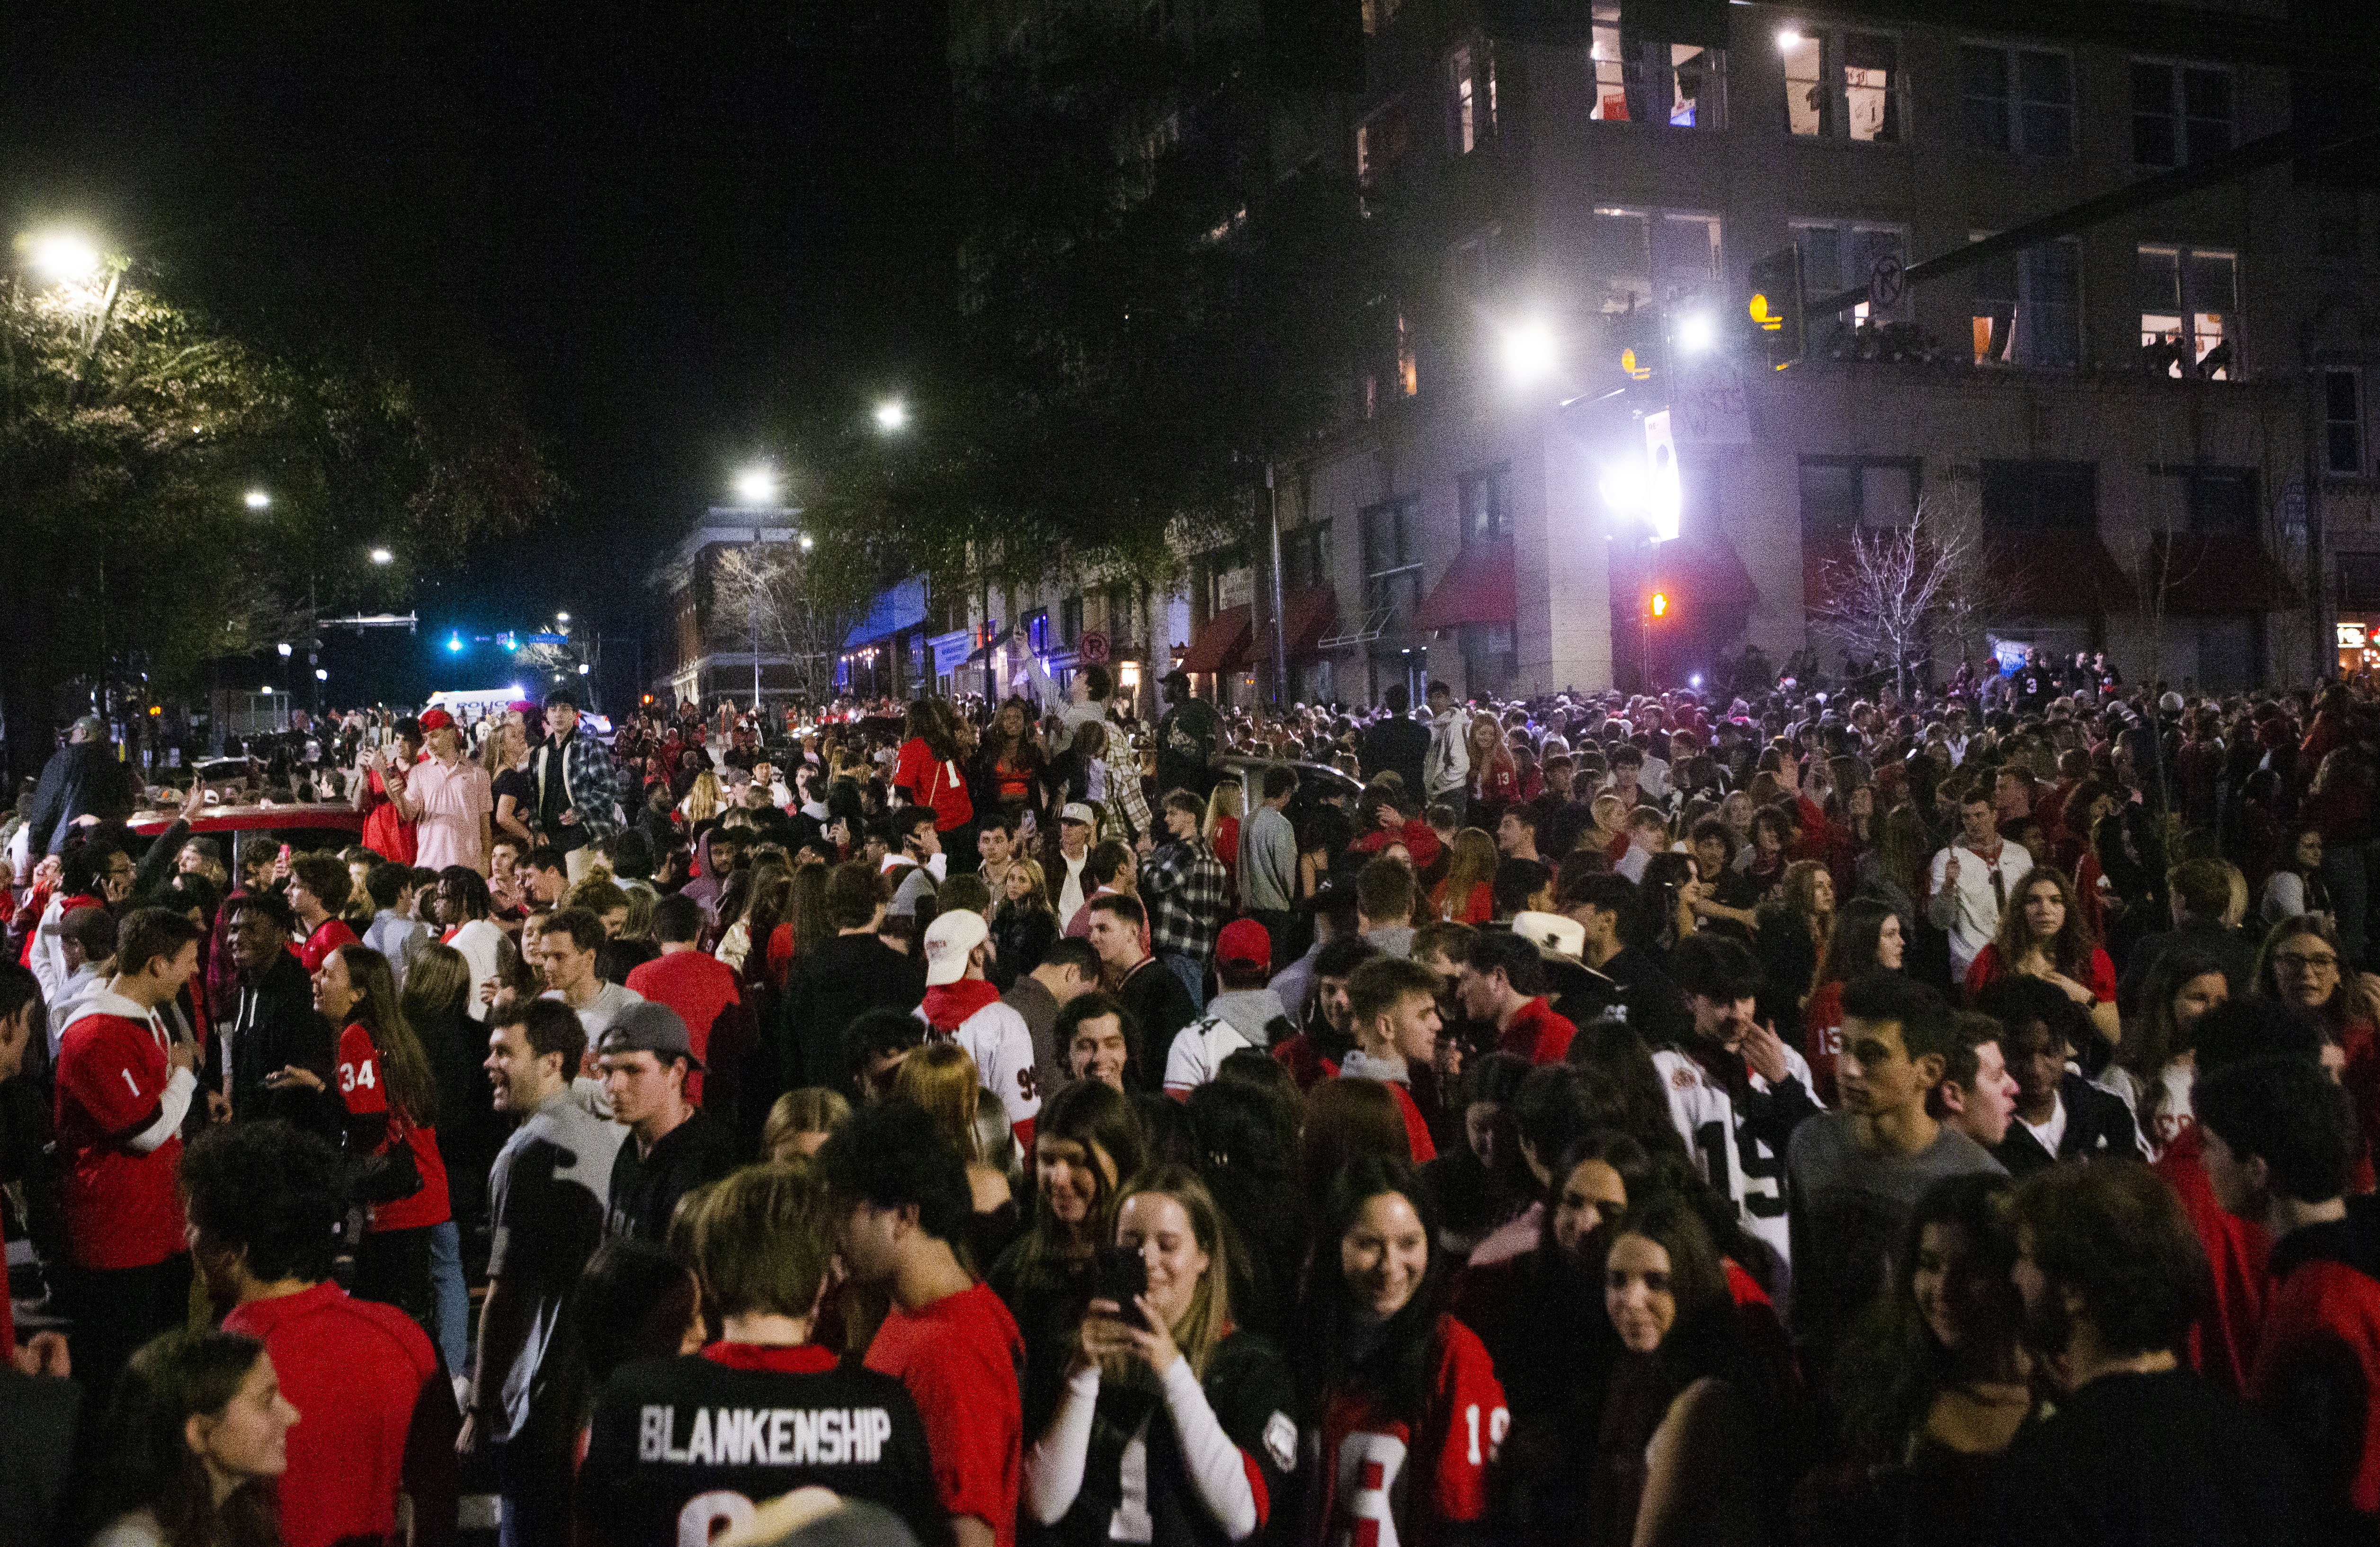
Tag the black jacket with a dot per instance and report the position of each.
(1399, 743)
(274, 1024)
(2098, 1127)
(646, 1187)
(82, 778)
(832, 983)
(2226, 944)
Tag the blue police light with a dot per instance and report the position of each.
(455, 644)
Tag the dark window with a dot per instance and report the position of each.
(1841, 493)
(1305, 556)
(2181, 113)
(2222, 502)
(1070, 620)
(1984, 95)
(2342, 416)
(1391, 564)
(1484, 517)
(2024, 498)
(2020, 100)
(2358, 582)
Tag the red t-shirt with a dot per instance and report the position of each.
(1538, 1034)
(385, 833)
(932, 782)
(1363, 1450)
(1416, 1131)
(322, 941)
(1822, 1037)
(2223, 1344)
(699, 986)
(959, 1356)
(121, 1207)
(355, 1371)
(364, 1086)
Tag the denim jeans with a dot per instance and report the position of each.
(1193, 973)
(452, 1318)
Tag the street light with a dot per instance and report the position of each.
(1697, 331)
(757, 485)
(257, 499)
(381, 555)
(805, 543)
(64, 257)
(283, 648)
(1529, 352)
(892, 416)
(562, 617)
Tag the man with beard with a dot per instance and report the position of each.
(2138, 1449)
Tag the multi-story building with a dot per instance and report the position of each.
(711, 641)
(2159, 422)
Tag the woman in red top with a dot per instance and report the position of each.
(1494, 780)
(1011, 762)
(2043, 935)
(1865, 938)
(1467, 894)
(1405, 1397)
(927, 769)
(387, 833)
(391, 1101)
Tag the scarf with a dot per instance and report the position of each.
(947, 1004)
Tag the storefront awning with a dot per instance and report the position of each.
(894, 609)
(1221, 642)
(2055, 574)
(1306, 618)
(2215, 577)
(1477, 588)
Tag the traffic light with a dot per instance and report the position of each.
(1660, 604)
(1635, 342)
(1776, 305)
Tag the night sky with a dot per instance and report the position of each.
(681, 228)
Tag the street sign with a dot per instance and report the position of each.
(547, 639)
(1887, 279)
(1093, 650)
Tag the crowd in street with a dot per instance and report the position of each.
(1764, 1117)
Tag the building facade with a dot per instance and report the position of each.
(714, 634)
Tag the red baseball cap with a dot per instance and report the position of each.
(436, 719)
(1243, 941)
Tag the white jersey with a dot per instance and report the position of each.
(1731, 1159)
(1198, 1051)
(1002, 1045)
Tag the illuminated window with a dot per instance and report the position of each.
(2189, 318)
(2028, 308)
(1844, 85)
(1656, 80)
(1471, 97)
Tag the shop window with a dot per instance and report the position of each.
(2187, 312)
(1490, 660)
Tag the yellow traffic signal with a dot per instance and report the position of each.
(1628, 364)
(1660, 604)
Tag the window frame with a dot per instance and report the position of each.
(2176, 114)
(2022, 301)
(2186, 323)
(1496, 509)
(1379, 580)
(1305, 556)
(1472, 122)
(1614, 74)
(1840, 232)
(1661, 288)
(2013, 103)
(1834, 112)
(2354, 423)
(1860, 468)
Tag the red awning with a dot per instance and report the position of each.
(1477, 588)
(2055, 575)
(1305, 617)
(2216, 577)
(1220, 642)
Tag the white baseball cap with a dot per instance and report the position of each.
(1551, 933)
(949, 940)
(1076, 811)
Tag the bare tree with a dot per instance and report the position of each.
(759, 597)
(1899, 588)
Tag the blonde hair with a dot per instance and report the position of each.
(1037, 892)
(811, 1109)
(1227, 800)
(1207, 1320)
(705, 800)
(941, 1080)
(1473, 865)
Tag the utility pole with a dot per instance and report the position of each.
(1280, 630)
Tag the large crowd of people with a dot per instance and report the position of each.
(1760, 1118)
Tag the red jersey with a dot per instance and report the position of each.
(2324, 1313)
(385, 833)
(1538, 1033)
(699, 986)
(935, 782)
(1416, 1131)
(1370, 1497)
(2223, 1344)
(1822, 1038)
(2099, 978)
(364, 1086)
(355, 1370)
(961, 1358)
(120, 1106)
(322, 941)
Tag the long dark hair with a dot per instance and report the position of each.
(1395, 1374)
(1102, 1120)
(144, 1460)
(412, 1088)
(930, 721)
(1889, 1372)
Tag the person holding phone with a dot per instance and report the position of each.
(1191, 1415)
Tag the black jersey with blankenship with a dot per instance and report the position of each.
(684, 1449)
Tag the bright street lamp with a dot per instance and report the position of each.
(1529, 352)
(381, 555)
(892, 416)
(757, 485)
(562, 617)
(1697, 331)
(257, 499)
(65, 257)
(805, 543)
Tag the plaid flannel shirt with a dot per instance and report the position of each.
(1125, 802)
(1183, 883)
(594, 781)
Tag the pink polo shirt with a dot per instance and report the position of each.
(453, 801)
